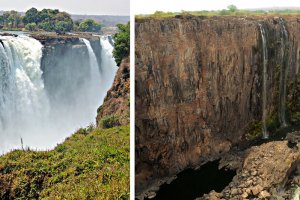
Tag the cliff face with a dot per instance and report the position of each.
(199, 87)
(64, 64)
(116, 102)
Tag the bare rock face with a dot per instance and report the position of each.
(266, 168)
(116, 101)
(199, 87)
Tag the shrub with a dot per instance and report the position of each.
(31, 27)
(122, 43)
(109, 121)
(89, 25)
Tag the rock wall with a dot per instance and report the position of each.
(116, 102)
(199, 87)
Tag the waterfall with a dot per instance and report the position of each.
(101, 82)
(23, 101)
(95, 86)
(109, 66)
(283, 76)
(42, 109)
(264, 92)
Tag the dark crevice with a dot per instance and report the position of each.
(191, 183)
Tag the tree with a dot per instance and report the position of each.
(46, 19)
(31, 16)
(31, 27)
(64, 23)
(89, 25)
(61, 27)
(232, 8)
(1, 20)
(45, 15)
(122, 43)
(224, 12)
(46, 26)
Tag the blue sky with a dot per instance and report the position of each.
(95, 7)
(150, 6)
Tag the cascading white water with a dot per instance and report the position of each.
(23, 101)
(264, 92)
(95, 83)
(25, 108)
(101, 82)
(283, 76)
(108, 63)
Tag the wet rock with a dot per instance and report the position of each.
(8, 34)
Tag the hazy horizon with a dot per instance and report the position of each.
(149, 7)
(75, 7)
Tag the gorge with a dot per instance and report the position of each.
(50, 86)
(205, 87)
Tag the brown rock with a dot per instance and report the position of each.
(244, 195)
(256, 189)
(264, 194)
(273, 172)
(116, 101)
(198, 87)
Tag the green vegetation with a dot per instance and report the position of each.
(51, 20)
(10, 20)
(31, 27)
(231, 10)
(254, 130)
(122, 43)
(91, 164)
(89, 25)
(109, 121)
(293, 101)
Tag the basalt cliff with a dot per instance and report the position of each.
(207, 84)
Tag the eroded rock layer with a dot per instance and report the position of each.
(199, 87)
(116, 102)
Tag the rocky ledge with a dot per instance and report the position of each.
(271, 170)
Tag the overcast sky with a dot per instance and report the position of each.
(90, 7)
(150, 6)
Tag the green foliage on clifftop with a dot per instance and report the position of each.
(231, 10)
(91, 164)
(51, 20)
(122, 43)
(89, 25)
